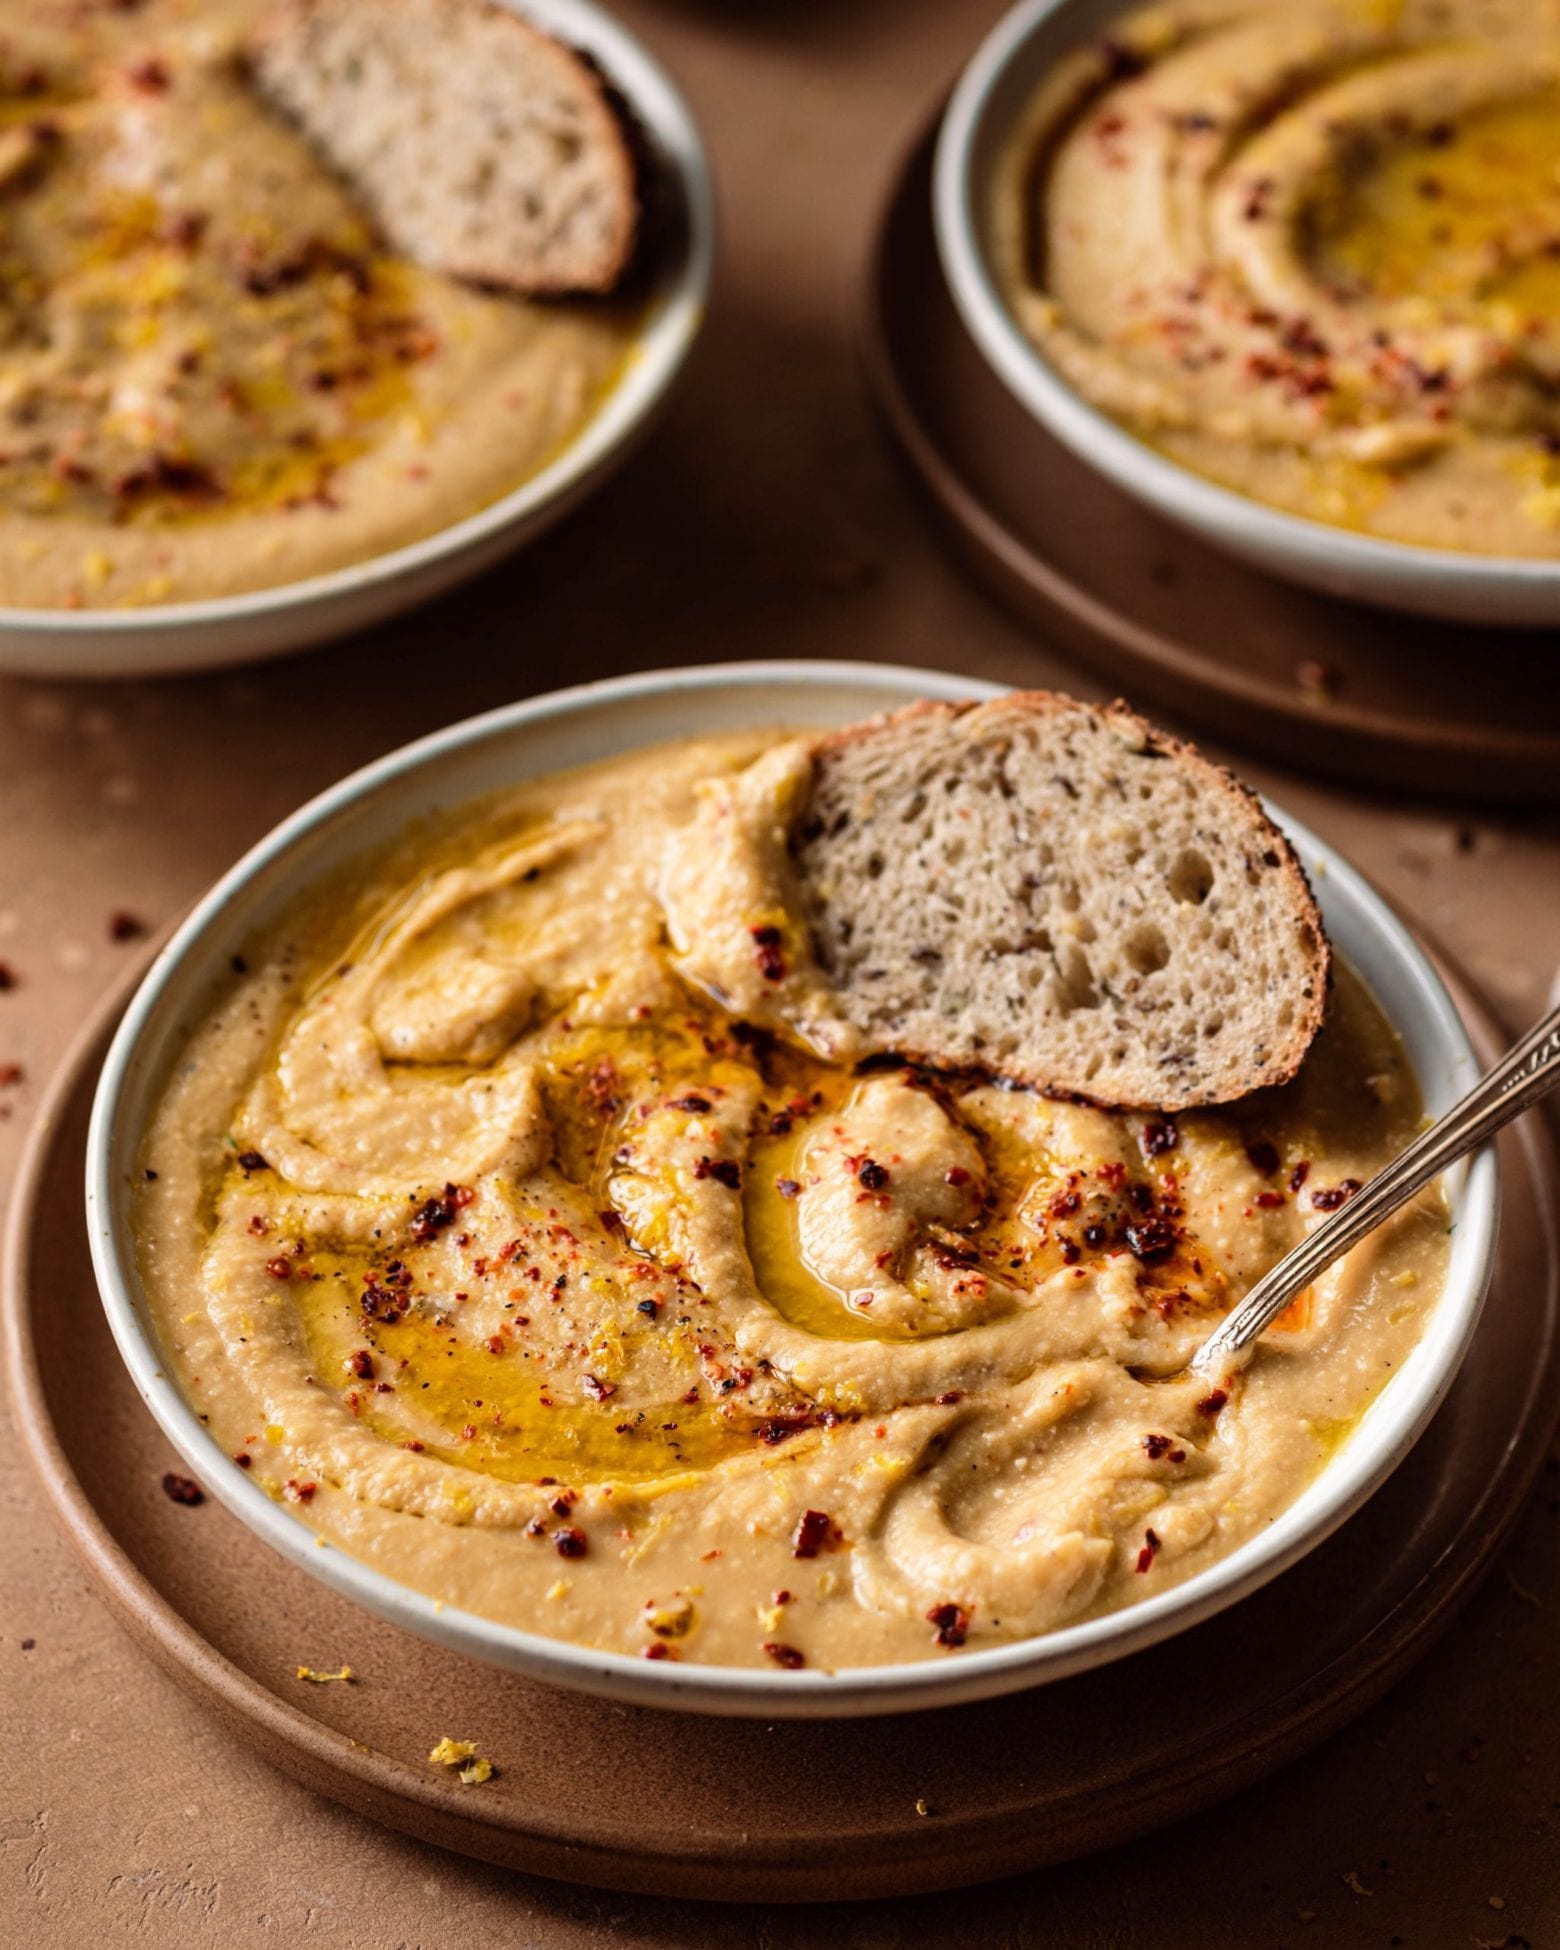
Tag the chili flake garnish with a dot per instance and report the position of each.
(434, 1214)
(814, 1532)
(1212, 1403)
(1150, 1550)
(1327, 1198)
(785, 1655)
(1160, 1137)
(950, 1622)
(252, 1161)
(872, 1175)
(570, 1541)
(771, 957)
(725, 1171)
(1151, 1238)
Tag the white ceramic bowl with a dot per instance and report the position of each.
(595, 721)
(267, 622)
(985, 107)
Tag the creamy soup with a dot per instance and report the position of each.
(517, 1267)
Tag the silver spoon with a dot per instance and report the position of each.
(1523, 1075)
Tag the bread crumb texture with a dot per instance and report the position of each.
(1063, 895)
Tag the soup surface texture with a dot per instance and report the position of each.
(520, 1269)
(1311, 249)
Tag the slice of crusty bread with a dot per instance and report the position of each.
(480, 145)
(1060, 894)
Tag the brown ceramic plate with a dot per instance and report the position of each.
(641, 1799)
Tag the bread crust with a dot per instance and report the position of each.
(1245, 807)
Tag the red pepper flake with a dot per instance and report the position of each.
(279, 1268)
(361, 1362)
(414, 1445)
(182, 1489)
(1300, 1174)
(569, 1541)
(952, 1395)
(1150, 1550)
(434, 1214)
(771, 955)
(150, 76)
(252, 1161)
(244, 1459)
(597, 1389)
(1157, 1446)
(815, 1531)
(784, 1655)
(124, 926)
(658, 1649)
(1327, 1198)
(381, 1302)
(297, 1492)
(725, 1171)
(956, 1175)
(183, 231)
(692, 1103)
(1151, 1238)
(1160, 1137)
(1263, 1156)
(872, 1175)
(1269, 1201)
(1212, 1403)
(950, 1623)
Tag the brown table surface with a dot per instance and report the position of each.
(766, 518)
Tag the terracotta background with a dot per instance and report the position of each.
(766, 518)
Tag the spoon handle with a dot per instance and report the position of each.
(1524, 1074)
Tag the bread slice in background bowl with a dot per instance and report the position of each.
(483, 147)
(599, 721)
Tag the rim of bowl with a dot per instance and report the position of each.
(673, 316)
(959, 225)
(216, 927)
